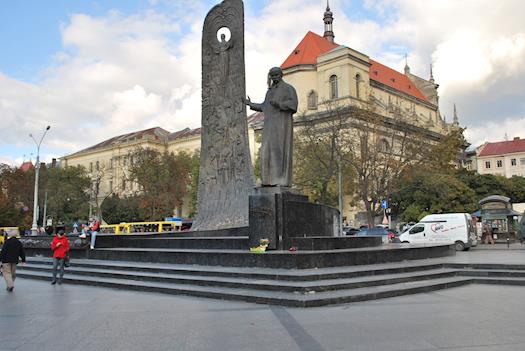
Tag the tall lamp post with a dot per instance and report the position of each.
(34, 227)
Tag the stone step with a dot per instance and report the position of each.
(294, 299)
(257, 284)
(249, 272)
(301, 259)
(223, 243)
(487, 266)
(230, 242)
(480, 272)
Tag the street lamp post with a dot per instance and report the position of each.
(34, 227)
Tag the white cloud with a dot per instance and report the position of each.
(117, 74)
(7, 159)
(477, 48)
(498, 130)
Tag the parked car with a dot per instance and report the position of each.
(387, 235)
(349, 231)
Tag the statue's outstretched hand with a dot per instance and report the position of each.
(247, 101)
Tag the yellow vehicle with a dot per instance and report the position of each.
(5, 230)
(141, 227)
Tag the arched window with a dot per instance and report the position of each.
(312, 100)
(357, 81)
(384, 145)
(333, 87)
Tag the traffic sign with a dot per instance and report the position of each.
(384, 204)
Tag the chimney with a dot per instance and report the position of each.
(53, 162)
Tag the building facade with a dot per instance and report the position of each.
(327, 74)
(504, 158)
(324, 72)
(108, 162)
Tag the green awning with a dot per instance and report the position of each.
(498, 213)
(493, 216)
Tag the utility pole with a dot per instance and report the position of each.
(34, 227)
(45, 210)
(340, 190)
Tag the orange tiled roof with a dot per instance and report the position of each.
(184, 133)
(26, 166)
(394, 79)
(314, 45)
(503, 147)
(308, 50)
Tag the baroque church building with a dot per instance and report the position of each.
(323, 71)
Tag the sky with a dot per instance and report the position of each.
(93, 70)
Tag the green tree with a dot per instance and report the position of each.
(67, 193)
(444, 155)
(17, 197)
(484, 184)
(516, 189)
(116, 210)
(371, 149)
(164, 180)
(66, 188)
(320, 148)
(426, 193)
(193, 162)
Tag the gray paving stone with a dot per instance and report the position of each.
(38, 316)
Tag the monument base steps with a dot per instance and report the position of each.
(295, 288)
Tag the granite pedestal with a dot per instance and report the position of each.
(280, 213)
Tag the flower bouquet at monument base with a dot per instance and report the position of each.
(263, 245)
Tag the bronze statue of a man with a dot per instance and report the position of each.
(276, 149)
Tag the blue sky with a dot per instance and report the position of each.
(96, 69)
(30, 29)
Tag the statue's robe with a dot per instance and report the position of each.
(277, 142)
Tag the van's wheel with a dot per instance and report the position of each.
(405, 242)
(460, 246)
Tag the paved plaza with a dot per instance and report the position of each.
(38, 316)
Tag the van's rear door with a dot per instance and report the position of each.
(472, 235)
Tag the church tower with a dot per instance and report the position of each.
(328, 24)
(407, 69)
(456, 118)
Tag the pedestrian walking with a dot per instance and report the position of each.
(60, 247)
(12, 250)
(487, 229)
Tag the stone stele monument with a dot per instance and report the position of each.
(226, 174)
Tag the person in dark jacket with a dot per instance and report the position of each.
(60, 247)
(11, 251)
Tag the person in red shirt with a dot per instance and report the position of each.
(60, 247)
(95, 227)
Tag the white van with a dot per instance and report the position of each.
(446, 228)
